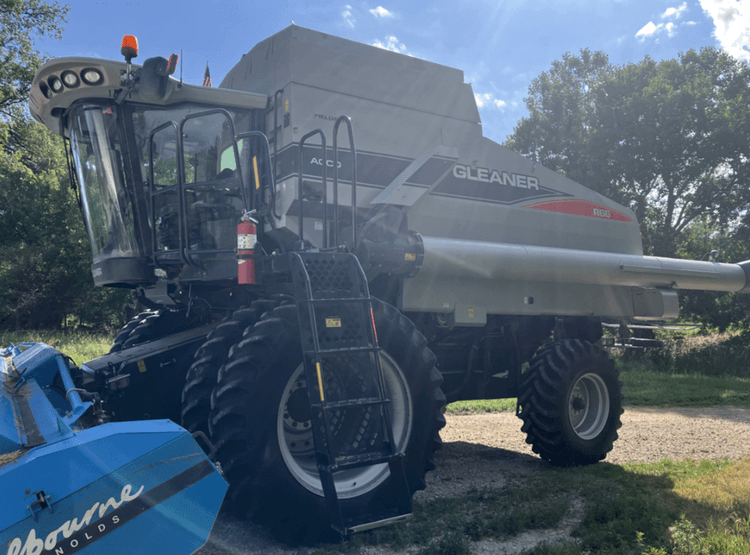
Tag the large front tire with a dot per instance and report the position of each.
(571, 403)
(211, 356)
(261, 428)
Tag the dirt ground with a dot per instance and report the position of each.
(488, 450)
(646, 435)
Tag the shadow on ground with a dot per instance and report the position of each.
(495, 496)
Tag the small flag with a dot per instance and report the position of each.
(207, 77)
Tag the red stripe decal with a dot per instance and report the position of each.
(578, 207)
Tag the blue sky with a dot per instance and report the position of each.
(500, 45)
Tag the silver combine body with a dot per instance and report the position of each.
(317, 350)
(501, 234)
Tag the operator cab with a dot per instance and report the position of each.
(163, 175)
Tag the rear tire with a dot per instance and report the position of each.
(125, 332)
(264, 442)
(153, 324)
(571, 403)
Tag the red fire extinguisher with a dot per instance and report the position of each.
(246, 239)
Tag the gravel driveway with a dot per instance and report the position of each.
(488, 450)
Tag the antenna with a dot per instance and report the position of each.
(180, 67)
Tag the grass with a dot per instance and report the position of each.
(481, 406)
(655, 389)
(79, 346)
(448, 525)
(696, 371)
(655, 509)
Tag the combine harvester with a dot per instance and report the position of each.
(311, 306)
(71, 483)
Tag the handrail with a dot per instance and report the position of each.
(180, 181)
(276, 95)
(325, 185)
(272, 184)
(348, 121)
(181, 193)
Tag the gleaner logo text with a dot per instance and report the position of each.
(487, 175)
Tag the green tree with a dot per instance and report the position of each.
(561, 106)
(704, 240)
(20, 22)
(669, 139)
(35, 244)
(45, 257)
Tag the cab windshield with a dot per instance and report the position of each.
(98, 156)
(157, 148)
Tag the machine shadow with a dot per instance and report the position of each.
(609, 503)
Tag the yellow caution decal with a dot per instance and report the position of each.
(320, 382)
(333, 322)
(255, 169)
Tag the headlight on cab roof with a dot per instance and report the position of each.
(55, 84)
(92, 76)
(70, 79)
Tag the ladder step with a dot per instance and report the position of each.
(344, 351)
(357, 461)
(360, 300)
(363, 402)
(355, 528)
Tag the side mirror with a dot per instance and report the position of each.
(154, 77)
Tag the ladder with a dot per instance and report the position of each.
(346, 389)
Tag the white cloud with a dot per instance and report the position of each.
(348, 16)
(649, 29)
(652, 29)
(675, 12)
(392, 43)
(731, 25)
(380, 11)
(488, 100)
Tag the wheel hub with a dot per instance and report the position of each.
(298, 406)
(577, 404)
(588, 407)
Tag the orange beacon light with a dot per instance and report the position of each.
(129, 47)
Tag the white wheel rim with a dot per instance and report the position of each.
(588, 406)
(296, 441)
